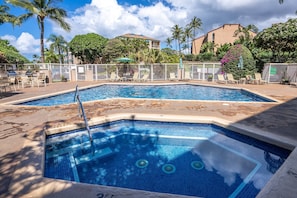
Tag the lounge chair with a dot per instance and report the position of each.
(144, 78)
(114, 77)
(258, 79)
(172, 77)
(135, 76)
(230, 79)
(249, 79)
(221, 79)
(187, 76)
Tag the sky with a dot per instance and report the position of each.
(152, 18)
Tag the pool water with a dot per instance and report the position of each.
(178, 158)
(176, 92)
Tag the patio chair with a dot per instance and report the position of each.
(144, 78)
(39, 80)
(258, 79)
(187, 76)
(221, 79)
(249, 79)
(6, 83)
(230, 79)
(172, 77)
(114, 77)
(24, 80)
(135, 76)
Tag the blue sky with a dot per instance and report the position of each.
(153, 18)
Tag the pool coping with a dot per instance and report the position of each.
(40, 186)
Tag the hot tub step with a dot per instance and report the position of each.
(99, 154)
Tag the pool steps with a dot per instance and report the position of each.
(98, 154)
(73, 167)
(66, 150)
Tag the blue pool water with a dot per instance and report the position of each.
(179, 92)
(178, 158)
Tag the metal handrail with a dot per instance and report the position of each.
(82, 113)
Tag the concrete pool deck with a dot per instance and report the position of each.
(21, 135)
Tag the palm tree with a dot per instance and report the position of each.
(282, 1)
(36, 58)
(42, 9)
(177, 33)
(58, 45)
(244, 35)
(208, 47)
(188, 33)
(168, 42)
(195, 24)
(50, 56)
(5, 17)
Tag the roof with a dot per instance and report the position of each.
(224, 26)
(139, 36)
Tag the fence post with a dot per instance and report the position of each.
(152, 72)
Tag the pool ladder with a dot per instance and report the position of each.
(82, 113)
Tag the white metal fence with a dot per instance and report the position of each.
(280, 72)
(272, 72)
(157, 72)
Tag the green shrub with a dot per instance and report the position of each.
(230, 62)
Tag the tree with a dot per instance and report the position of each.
(244, 34)
(177, 33)
(5, 17)
(113, 49)
(42, 9)
(280, 40)
(36, 58)
(10, 53)
(230, 61)
(222, 50)
(88, 47)
(168, 42)
(169, 56)
(188, 34)
(126, 47)
(59, 45)
(195, 24)
(51, 56)
(282, 1)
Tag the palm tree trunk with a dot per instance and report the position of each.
(42, 39)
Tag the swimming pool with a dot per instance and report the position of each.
(178, 158)
(175, 92)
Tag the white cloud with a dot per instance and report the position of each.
(110, 19)
(25, 43)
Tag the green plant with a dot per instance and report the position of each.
(209, 77)
(230, 62)
(63, 78)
